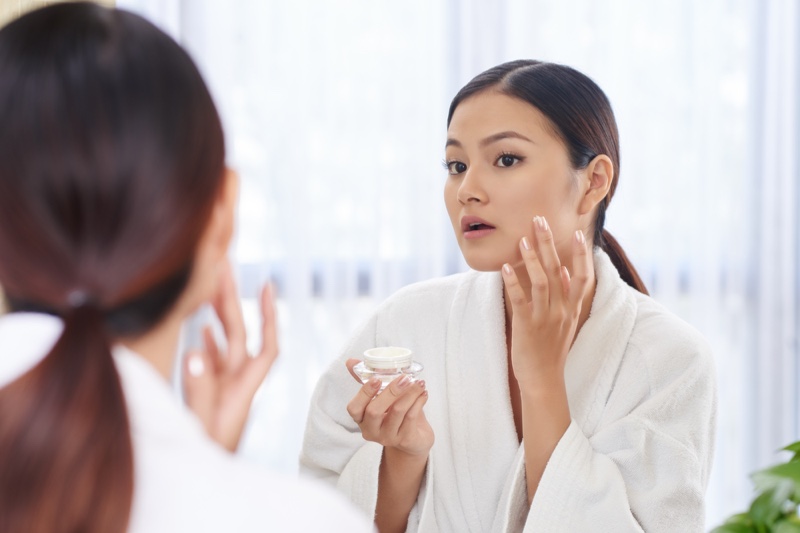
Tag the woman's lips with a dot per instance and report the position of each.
(474, 228)
(478, 233)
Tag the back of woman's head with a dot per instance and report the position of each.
(580, 115)
(111, 158)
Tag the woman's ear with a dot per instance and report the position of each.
(598, 175)
(219, 231)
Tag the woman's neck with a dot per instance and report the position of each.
(159, 346)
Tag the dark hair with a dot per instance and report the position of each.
(111, 158)
(579, 113)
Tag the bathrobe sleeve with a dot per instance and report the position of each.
(645, 465)
(333, 449)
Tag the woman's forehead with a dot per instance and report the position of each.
(492, 114)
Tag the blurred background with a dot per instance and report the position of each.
(335, 119)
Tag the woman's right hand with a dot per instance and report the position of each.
(393, 418)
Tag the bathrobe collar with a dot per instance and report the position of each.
(477, 372)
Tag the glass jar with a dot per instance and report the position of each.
(387, 363)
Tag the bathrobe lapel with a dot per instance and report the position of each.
(483, 437)
(592, 365)
(595, 356)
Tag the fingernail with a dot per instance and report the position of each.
(525, 243)
(403, 382)
(580, 237)
(421, 383)
(543, 224)
(507, 268)
(374, 383)
(196, 365)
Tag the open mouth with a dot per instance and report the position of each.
(474, 227)
(478, 226)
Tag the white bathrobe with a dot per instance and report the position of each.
(184, 482)
(642, 396)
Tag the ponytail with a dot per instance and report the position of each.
(620, 260)
(65, 439)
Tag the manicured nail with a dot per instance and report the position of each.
(374, 383)
(580, 237)
(540, 222)
(403, 382)
(525, 243)
(421, 383)
(507, 268)
(196, 365)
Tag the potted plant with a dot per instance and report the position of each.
(774, 509)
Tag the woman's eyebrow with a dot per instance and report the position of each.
(504, 135)
(490, 139)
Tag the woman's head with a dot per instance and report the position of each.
(529, 138)
(111, 159)
(114, 202)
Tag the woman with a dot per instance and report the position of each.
(116, 211)
(561, 397)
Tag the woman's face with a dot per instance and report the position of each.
(506, 166)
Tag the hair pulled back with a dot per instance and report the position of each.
(111, 159)
(580, 114)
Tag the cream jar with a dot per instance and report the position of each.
(387, 363)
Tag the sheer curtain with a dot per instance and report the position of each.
(335, 119)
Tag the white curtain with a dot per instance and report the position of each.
(335, 118)
(775, 250)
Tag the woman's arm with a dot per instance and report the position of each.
(544, 324)
(645, 463)
(398, 487)
(394, 419)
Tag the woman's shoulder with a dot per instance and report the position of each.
(655, 322)
(187, 482)
(208, 489)
(667, 341)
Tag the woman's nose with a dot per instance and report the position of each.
(471, 190)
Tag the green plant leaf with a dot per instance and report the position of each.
(766, 508)
(783, 480)
(741, 518)
(738, 523)
(795, 449)
(775, 508)
(735, 528)
(786, 526)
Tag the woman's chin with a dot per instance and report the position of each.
(483, 264)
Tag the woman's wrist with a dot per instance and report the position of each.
(404, 458)
(543, 387)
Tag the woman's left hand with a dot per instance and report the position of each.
(545, 321)
(220, 386)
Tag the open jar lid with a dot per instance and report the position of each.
(387, 357)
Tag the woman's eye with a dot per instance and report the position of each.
(507, 160)
(456, 167)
